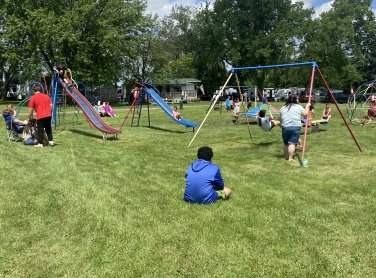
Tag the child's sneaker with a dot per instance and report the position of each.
(38, 146)
(51, 143)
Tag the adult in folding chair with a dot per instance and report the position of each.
(13, 124)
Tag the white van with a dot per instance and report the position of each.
(282, 94)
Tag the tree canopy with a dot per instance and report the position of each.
(92, 37)
(105, 41)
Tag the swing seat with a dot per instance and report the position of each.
(316, 124)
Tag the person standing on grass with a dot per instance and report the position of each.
(291, 114)
(236, 111)
(228, 103)
(42, 105)
(204, 183)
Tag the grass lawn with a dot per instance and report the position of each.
(94, 208)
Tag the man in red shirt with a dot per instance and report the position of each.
(42, 105)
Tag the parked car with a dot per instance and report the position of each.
(304, 96)
(339, 95)
(282, 94)
(321, 96)
(318, 95)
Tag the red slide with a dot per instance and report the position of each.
(89, 111)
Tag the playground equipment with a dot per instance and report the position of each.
(270, 109)
(59, 105)
(150, 91)
(315, 68)
(89, 111)
(28, 96)
(93, 116)
(361, 105)
(153, 93)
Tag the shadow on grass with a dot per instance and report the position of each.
(318, 131)
(250, 123)
(265, 144)
(232, 122)
(168, 130)
(84, 133)
(280, 155)
(297, 157)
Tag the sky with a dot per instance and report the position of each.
(163, 7)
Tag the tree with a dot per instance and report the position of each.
(92, 37)
(247, 33)
(343, 42)
(172, 45)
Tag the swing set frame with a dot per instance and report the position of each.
(315, 68)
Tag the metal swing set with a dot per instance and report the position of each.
(315, 69)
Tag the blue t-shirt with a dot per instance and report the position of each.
(9, 120)
(203, 178)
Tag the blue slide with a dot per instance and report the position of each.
(93, 117)
(167, 108)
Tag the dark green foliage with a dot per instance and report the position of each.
(92, 37)
(342, 41)
(247, 33)
(107, 41)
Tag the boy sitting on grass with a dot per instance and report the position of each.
(204, 183)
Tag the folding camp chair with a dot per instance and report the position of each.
(11, 134)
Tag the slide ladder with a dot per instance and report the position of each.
(137, 109)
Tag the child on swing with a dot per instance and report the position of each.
(326, 113)
(372, 109)
(266, 122)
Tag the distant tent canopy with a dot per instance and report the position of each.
(263, 106)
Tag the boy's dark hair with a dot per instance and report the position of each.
(36, 88)
(261, 114)
(205, 153)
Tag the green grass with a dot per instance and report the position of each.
(94, 208)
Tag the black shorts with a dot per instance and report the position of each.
(272, 125)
